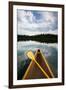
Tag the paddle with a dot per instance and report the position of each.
(32, 57)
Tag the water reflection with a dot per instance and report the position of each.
(48, 49)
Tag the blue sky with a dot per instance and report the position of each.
(32, 22)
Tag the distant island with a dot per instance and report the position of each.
(48, 38)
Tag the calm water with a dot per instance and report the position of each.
(49, 50)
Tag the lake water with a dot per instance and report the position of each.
(50, 50)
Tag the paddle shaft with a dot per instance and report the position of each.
(41, 69)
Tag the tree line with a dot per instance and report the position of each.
(40, 38)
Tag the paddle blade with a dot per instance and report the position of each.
(30, 55)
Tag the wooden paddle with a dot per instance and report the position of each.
(32, 57)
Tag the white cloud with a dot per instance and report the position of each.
(29, 25)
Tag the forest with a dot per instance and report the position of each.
(49, 38)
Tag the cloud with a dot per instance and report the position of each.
(37, 22)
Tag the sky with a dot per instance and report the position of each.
(32, 22)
